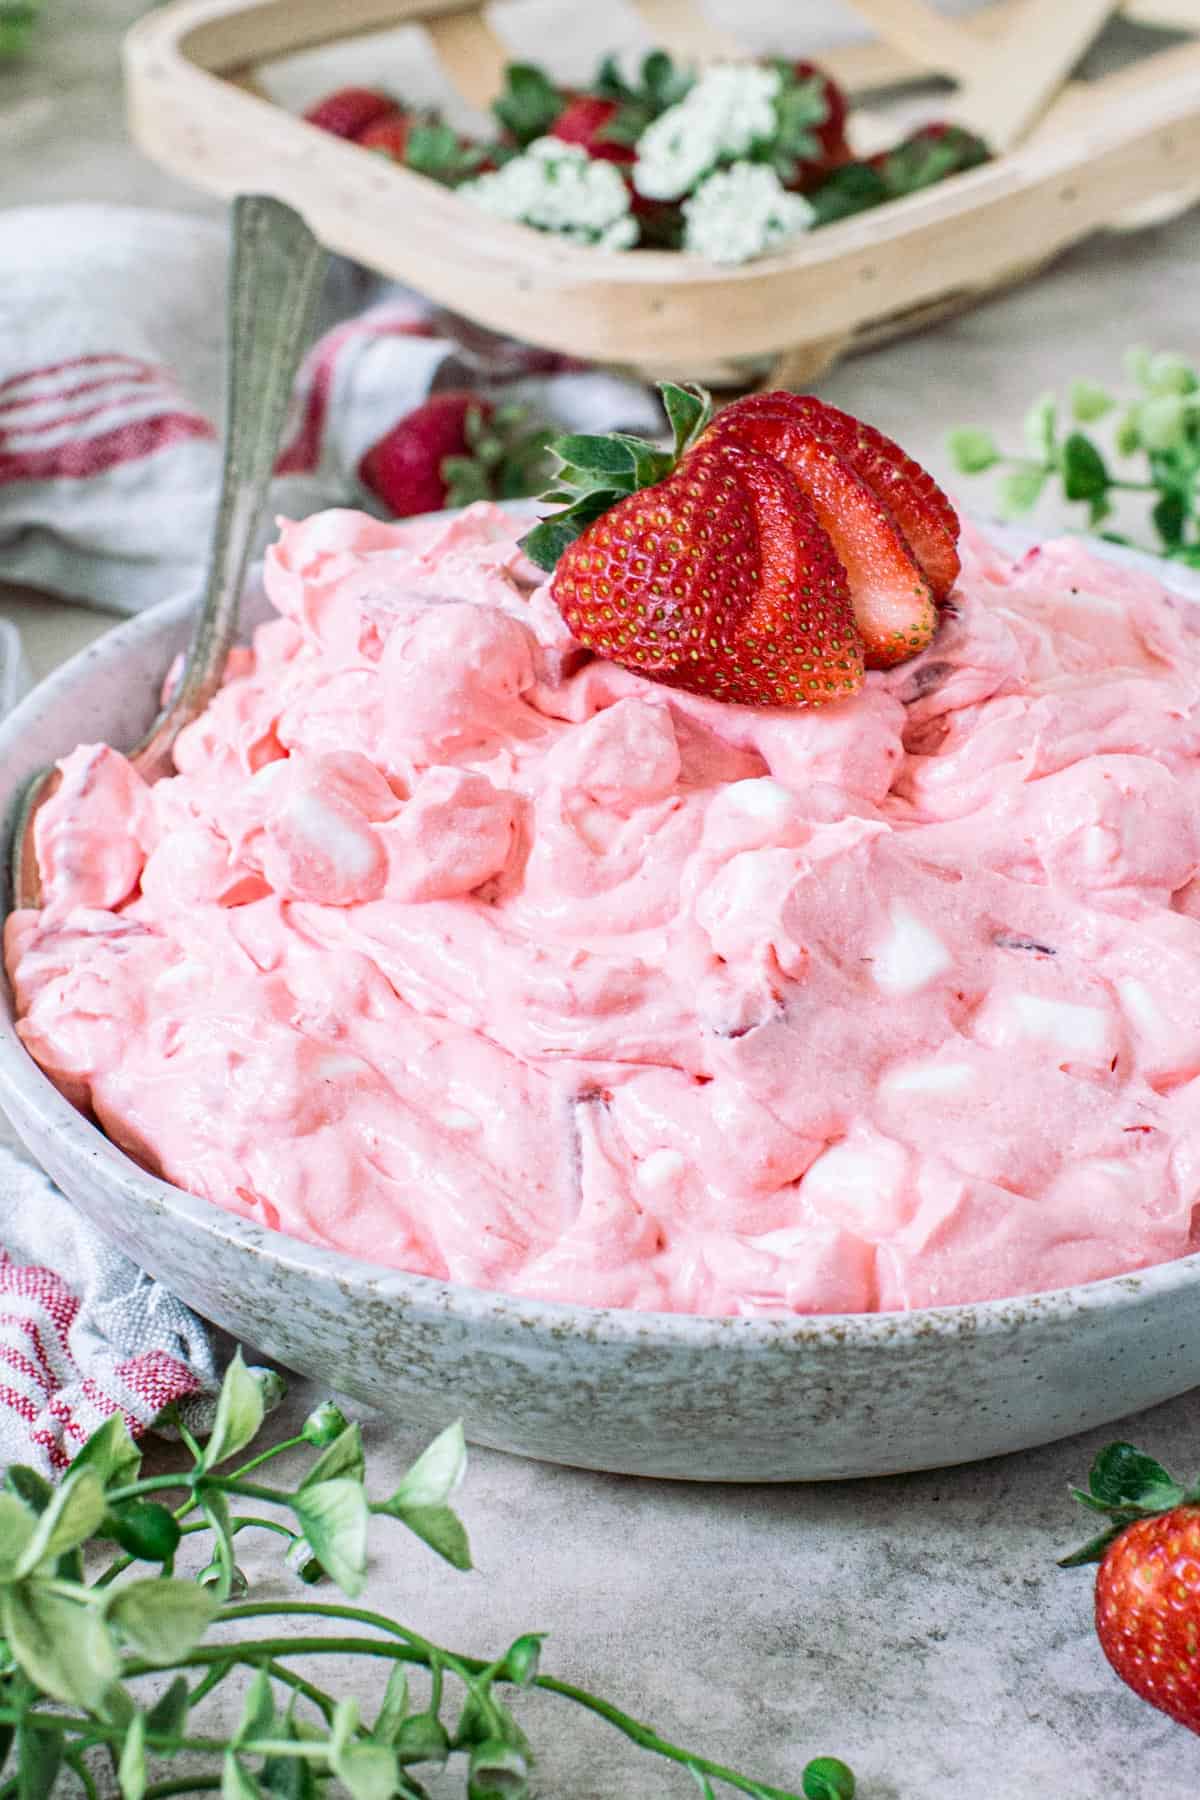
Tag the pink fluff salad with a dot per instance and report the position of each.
(458, 950)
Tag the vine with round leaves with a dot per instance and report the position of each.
(103, 1680)
(1158, 426)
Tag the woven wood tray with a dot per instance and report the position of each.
(1074, 157)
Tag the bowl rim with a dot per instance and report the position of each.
(26, 1089)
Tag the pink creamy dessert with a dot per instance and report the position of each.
(456, 949)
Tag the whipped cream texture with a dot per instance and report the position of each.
(461, 951)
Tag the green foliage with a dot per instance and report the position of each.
(98, 1649)
(17, 20)
(528, 103)
(595, 472)
(1123, 1485)
(1159, 425)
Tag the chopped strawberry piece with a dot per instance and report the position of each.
(350, 110)
(720, 580)
(922, 511)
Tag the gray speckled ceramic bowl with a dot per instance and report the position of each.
(802, 1399)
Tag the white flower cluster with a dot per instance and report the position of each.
(743, 212)
(555, 186)
(729, 111)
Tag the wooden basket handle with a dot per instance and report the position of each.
(471, 54)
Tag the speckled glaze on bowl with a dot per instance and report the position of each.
(804, 1399)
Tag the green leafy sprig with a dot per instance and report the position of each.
(17, 20)
(661, 82)
(1156, 435)
(595, 472)
(105, 1680)
(1125, 1485)
(507, 458)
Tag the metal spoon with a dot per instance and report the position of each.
(274, 280)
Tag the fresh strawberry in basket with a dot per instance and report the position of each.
(586, 120)
(350, 111)
(455, 448)
(1147, 1605)
(763, 560)
(830, 132)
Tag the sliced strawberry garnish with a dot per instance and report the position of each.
(718, 579)
(922, 511)
(349, 111)
(893, 605)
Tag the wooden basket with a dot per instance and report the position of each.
(1073, 158)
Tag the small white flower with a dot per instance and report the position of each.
(558, 187)
(729, 111)
(742, 212)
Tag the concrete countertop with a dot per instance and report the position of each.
(916, 1626)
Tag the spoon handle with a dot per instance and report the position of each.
(274, 280)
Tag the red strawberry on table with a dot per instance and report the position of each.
(349, 111)
(1148, 1583)
(454, 448)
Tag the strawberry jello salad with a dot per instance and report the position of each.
(462, 949)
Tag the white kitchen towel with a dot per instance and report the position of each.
(111, 374)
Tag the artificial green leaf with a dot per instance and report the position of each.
(7, 1733)
(1162, 422)
(39, 1759)
(1128, 437)
(144, 1529)
(439, 1527)
(438, 1472)
(168, 1716)
(1089, 401)
(64, 1648)
(70, 1520)
(827, 1778)
(1171, 374)
(289, 1777)
(1123, 1476)
(1019, 489)
(368, 1771)
(324, 1425)
(1170, 516)
(258, 1710)
(395, 1706)
(497, 1771)
(521, 1659)
(111, 1452)
(162, 1619)
(1084, 472)
(1188, 554)
(702, 1782)
(29, 1486)
(17, 20)
(333, 1517)
(240, 1410)
(971, 450)
(344, 1456)
(1041, 428)
(688, 411)
(1137, 364)
(131, 1769)
(17, 1526)
(222, 1570)
(237, 1783)
(421, 1738)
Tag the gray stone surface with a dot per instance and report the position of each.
(915, 1625)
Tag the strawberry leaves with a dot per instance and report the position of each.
(528, 103)
(1123, 1485)
(596, 472)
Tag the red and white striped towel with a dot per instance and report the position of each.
(111, 372)
(111, 360)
